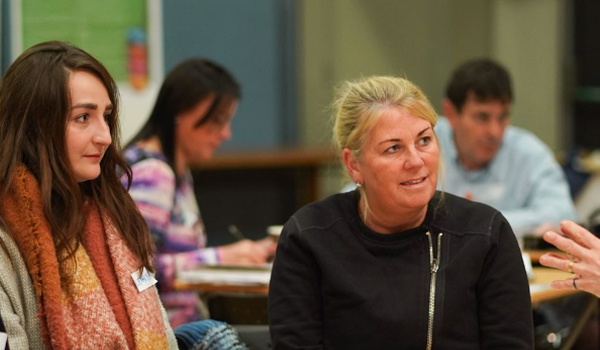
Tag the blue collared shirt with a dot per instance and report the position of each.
(524, 181)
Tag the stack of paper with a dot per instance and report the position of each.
(536, 288)
(226, 275)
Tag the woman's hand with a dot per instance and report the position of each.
(247, 252)
(583, 250)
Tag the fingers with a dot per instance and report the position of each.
(584, 261)
(538, 231)
(565, 244)
(581, 268)
(576, 283)
(568, 284)
(262, 250)
(557, 262)
(580, 234)
(256, 253)
(269, 244)
(249, 252)
(243, 252)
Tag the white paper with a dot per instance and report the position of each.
(535, 288)
(274, 230)
(226, 276)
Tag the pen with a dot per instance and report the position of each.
(235, 232)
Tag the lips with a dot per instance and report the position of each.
(93, 156)
(413, 182)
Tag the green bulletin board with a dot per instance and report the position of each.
(99, 27)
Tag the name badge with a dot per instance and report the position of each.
(3, 340)
(143, 281)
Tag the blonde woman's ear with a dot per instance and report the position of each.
(351, 164)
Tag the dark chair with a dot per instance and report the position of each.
(248, 315)
(235, 308)
(256, 337)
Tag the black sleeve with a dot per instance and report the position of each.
(504, 301)
(294, 294)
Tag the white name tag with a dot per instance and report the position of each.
(3, 340)
(143, 282)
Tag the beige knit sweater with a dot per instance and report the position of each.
(18, 306)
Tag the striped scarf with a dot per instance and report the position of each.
(90, 301)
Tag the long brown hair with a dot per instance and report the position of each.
(34, 107)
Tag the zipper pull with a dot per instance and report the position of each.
(434, 263)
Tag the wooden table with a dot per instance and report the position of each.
(536, 254)
(222, 288)
(225, 279)
(544, 276)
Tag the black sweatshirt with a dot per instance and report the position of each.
(336, 284)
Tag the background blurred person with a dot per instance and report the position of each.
(190, 119)
(489, 161)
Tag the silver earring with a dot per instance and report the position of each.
(358, 184)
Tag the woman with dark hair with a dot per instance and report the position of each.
(69, 232)
(190, 119)
(76, 255)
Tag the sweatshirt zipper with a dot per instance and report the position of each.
(434, 265)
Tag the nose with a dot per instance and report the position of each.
(495, 129)
(413, 158)
(102, 134)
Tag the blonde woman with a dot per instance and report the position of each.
(395, 264)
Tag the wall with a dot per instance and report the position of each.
(136, 107)
(251, 39)
(529, 37)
